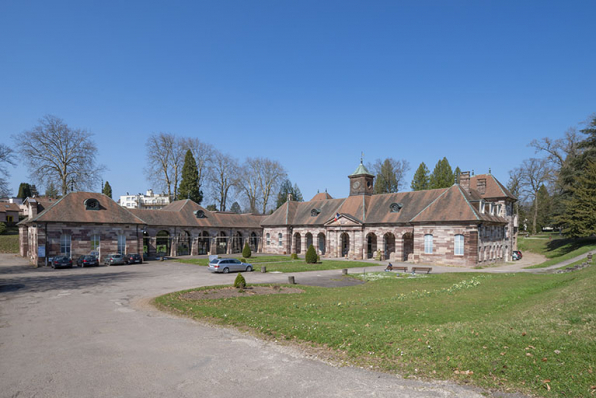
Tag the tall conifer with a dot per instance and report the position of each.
(442, 176)
(189, 186)
(107, 189)
(421, 178)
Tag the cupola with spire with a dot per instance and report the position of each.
(361, 181)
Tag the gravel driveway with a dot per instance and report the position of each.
(90, 333)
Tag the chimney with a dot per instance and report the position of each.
(289, 197)
(464, 180)
(32, 209)
(481, 186)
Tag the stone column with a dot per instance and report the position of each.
(399, 247)
(303, 245)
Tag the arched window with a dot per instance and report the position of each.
(122, 244)
(428, 244)
(459, 245)
(95, 241)
(268, 239)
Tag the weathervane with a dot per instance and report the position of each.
(361, 157)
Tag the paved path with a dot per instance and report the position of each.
(90, 333)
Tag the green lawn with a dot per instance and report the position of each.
(531, 333)
(556, 250)
(285, 264)
(9, 243)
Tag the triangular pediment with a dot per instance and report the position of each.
(343, 221)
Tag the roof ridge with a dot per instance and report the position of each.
(437, 198)
(468, 202)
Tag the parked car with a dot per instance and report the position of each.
(517, 255)
(61, 262)
(134, 258)
(225, 265)
(115, 259)
(87, 260)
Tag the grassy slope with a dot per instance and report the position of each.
(9, 243)
(532, 333)
(557, 250)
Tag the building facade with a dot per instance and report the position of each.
(149, 200)
(467, 224)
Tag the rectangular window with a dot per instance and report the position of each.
(65, 245)
(268, 239)
(95, 243)
(122, 244)
(428, 244)
(459, 245)
(279, 238)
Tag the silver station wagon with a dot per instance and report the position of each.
(225, 265)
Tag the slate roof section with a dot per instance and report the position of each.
(181, 213)
(494, 189)
(5, 207)
(71, 208)
(436, 205)
(361, 170)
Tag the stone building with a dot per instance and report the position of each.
(84, 222)
(467, 224)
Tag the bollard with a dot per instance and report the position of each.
(344, 271)
(263, 269)
(291, 280)
(589, 257)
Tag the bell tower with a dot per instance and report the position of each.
(361, 181)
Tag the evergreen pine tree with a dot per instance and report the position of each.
(51, 191)
(386, 181)
(211, 208)
(285, 189)
(189, 186)
(235, 208)
(24, 191)
(442, 175)
(579, 219)
(456, 174)
(107, 190)
(421, 178)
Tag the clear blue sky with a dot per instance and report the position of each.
(309, 83)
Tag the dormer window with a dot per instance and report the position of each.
(315, 212)
(91, 204)
(200, 214)
(395, 207)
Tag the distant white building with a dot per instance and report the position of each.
(149, 201)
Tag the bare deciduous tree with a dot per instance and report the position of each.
(223, 177)
(532, 175)
(165, 155)
(5, 158)
(56, 153)
(560, 150)
(260, 178)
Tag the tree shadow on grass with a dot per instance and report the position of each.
(565, 246)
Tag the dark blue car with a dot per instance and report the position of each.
(61, 262)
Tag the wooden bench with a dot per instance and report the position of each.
(427, 269)
(402, 269)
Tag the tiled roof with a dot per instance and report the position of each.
(71, 208)
(5, 207)
(321, 196)
(437, 205)
(494, 189)
(182, 213)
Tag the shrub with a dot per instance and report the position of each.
(246, 252)
(2, 228)
(311, 255)
(240, 282)
(242, 259)
(294, 256)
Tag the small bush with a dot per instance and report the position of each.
(2, 228)
(311, 255)
(240, 282)
(294, 256)
(242, 259)
(246, 252)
